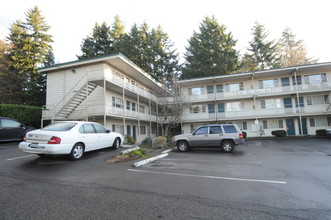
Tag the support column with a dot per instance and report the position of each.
(298, 102)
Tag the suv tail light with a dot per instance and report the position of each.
(241, 136)
(24, 139)
(54, 140)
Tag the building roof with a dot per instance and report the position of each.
(119, 61)
(258, 74)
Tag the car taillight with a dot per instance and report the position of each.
(54, 140)
(24, 139)
(241, 136)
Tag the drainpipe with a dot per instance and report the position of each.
(298, 100)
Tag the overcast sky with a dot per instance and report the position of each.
(73, 20)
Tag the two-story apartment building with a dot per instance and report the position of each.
(295, 98)
(110, 90)
(115, 92)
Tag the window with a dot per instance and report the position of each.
(100, 129)
(220, 107)
(197, 91)
(285, 81)
(7, 123)
(153, 129)
(300, 101)
(192, 128)
(219, 88)
(297, 80)
(229, 129)
(210, 89)
(265, 124)
(329, 121)
(318, 122)
(215, 130)
(235, 106)
(118, 128)
(242, 125)
(280, 124)
(87, 128)
(128, 105)
(270, 83)
(141, 109)
(317, 100)
(271, 103)
(142, 129)
(315, 78)
(133, 106)
(197, 109)
(201, 131)
(232, 87)
(287, 102)
(59, 126)
(211, 108)
(117, 102)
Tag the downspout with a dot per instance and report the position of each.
(298, 100)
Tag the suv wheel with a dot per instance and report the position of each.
(182, 146)
(227, 146)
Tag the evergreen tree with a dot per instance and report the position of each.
(210, 52)
(98, 44)
(262, 54)
(30, 46)
(293, 52)
(151, 50)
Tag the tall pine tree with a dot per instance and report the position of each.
(210, 52)
(30, 48)
(262, 54)
(293, 51)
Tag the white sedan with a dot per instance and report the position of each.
(70, 137)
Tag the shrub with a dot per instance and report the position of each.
(320, 132)
(129, 139)
(160, 142)
(279, 133)
(28, 115)
(147, 142)
(244, 134)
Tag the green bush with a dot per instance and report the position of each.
(160, 142)
(320, 132)
(244, 134)
(147, 142)
(279, 133)
(129, 139)
(28, 115)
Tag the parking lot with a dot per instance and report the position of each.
(263, 179)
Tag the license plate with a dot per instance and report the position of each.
(33, 145)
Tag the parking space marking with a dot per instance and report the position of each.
(171, 159)
(209, 177)
(23, 157)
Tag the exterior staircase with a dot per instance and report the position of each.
(75, 100)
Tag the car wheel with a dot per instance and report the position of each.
(116, 144)
(182, 146)
(77, 152)
(227, 146)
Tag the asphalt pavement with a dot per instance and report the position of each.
(263, 179)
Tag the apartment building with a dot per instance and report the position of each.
(115, 92)
(110, 90)
(295, 98)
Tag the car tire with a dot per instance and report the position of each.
(116, 144)
(182, 146)
(77, 152)
(227, 146)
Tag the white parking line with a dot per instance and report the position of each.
(17, 158)
(209, 177)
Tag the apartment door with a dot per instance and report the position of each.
(290, 126)
(128, 130)
(304, 126)
(134, 132)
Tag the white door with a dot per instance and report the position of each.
(89, 136)
(105, 139)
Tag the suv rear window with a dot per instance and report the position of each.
(229, 129)
(215, 130)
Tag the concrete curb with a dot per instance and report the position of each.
(129, 150)
(140, 163)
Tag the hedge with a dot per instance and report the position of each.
(28, 115)
(279, 133)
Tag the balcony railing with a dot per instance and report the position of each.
(261, 92)
(317, 109)
(122, 83)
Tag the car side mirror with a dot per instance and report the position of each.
(108, 131)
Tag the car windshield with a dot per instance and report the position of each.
(60, 126)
